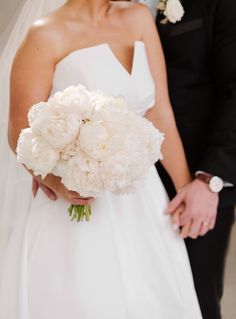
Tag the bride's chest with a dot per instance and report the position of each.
(98, 68)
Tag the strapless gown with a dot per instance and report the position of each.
(127, 262)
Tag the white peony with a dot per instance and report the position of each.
(82, 175)
(38, 115)
(71, 150)
(73, 100)
(103, 136)
(35, 153)
(122, 173)
(59, 131)
(94, 140)
(108, 102)
(154, 139)
(57, 127)
(91, 140)
(174, 10)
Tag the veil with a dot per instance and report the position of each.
(15, 182)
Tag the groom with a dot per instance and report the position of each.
(200, 52)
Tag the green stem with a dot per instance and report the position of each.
(80, 212)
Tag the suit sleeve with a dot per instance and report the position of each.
(220, 158)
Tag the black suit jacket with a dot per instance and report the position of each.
(200, 54)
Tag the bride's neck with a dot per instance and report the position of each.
(94, 10)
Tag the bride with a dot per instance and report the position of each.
(128, 262)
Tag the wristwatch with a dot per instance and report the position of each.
(215, 183)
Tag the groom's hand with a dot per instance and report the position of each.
(35, 187)
(200, 212)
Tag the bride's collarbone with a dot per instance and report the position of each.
(120, 44)
(69, 36)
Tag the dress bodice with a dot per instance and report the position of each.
(97, 67)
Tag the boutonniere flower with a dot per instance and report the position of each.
(172, 10)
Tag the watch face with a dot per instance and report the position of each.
(216, 184)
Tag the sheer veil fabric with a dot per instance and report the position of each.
(9, 24)
(11, 173)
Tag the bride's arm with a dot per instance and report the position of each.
(31, 82)
(31, 79)
(162, 114)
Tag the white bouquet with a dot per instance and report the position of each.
(92, 141)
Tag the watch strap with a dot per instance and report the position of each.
(204, 177)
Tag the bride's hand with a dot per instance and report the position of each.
(183, 231)
(54, 184)
(47, 191)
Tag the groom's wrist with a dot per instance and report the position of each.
(226, 183)
(215, 183)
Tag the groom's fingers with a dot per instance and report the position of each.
(204, 229)
(185, 218)
(195, 229)
(212, 223)
(175, 203)
(196, 226)
(184, 233)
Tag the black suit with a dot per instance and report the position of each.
(200, 54)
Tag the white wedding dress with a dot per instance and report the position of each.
(127, 262)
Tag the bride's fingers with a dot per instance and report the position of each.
(176, 216)
(75, 199)
(184, 233)
(175, 221)
(35, 187)
(77, 195)
(175, 203)
(50, 193)
(80, 201)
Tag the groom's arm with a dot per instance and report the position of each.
(220, 158)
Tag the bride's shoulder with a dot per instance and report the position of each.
(45, 29)
(44, 33)
(132, 8)
(134, 11)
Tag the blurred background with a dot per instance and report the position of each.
(8, 12)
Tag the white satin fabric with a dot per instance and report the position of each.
(127, 262)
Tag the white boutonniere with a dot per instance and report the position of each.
(171, 9)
